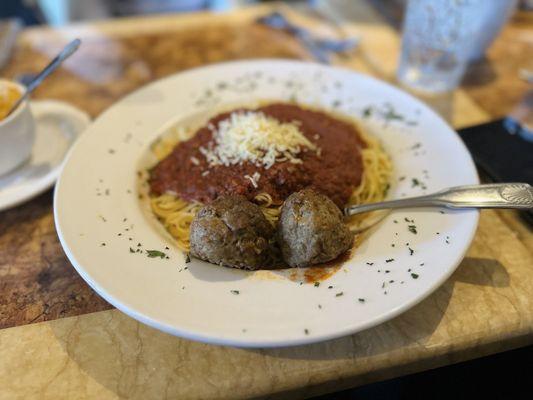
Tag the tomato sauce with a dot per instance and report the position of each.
(335, 172)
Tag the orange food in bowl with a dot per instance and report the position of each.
(9, 94)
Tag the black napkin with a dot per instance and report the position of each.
(503, 156)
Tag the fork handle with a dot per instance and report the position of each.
(499, 195)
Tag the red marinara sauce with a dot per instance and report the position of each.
(336, 172)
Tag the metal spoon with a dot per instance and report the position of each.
(500, 195)
(67, 51)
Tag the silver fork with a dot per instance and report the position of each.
(499, 195)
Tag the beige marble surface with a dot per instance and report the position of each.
(485, 307)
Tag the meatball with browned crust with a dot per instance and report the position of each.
(233, 232)
(311, 229)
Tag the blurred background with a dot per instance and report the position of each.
(60, 12)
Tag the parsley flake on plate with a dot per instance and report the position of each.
(155, 254)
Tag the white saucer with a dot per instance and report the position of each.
(57, 126)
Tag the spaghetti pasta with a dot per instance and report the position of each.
(177, 214)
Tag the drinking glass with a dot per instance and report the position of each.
(440, 37)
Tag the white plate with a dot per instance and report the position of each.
(57, 125)
(96, 200)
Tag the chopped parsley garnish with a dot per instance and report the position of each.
(414, 276)
(339, 294)
(411, 251)
(317, 284)
(389, 260)
(387, 271)
(330, 287)
(412, 229)
(131, 250)
(360, 300)
(390, 115)
(395, 221)
(155, 254)
(187, 258)
(102, 244)
(369, 263)
(367, 112)
(415, 182)
(235, 292)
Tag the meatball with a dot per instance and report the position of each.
(233, 232)
(311, 230)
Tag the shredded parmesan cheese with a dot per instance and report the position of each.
(254, 179)
(256, 138)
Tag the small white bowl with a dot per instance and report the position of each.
(17, 134)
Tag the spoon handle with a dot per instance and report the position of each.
(51, 67)
(500, 195)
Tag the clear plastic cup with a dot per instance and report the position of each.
(440, 37)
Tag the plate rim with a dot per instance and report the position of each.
(245, 342)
